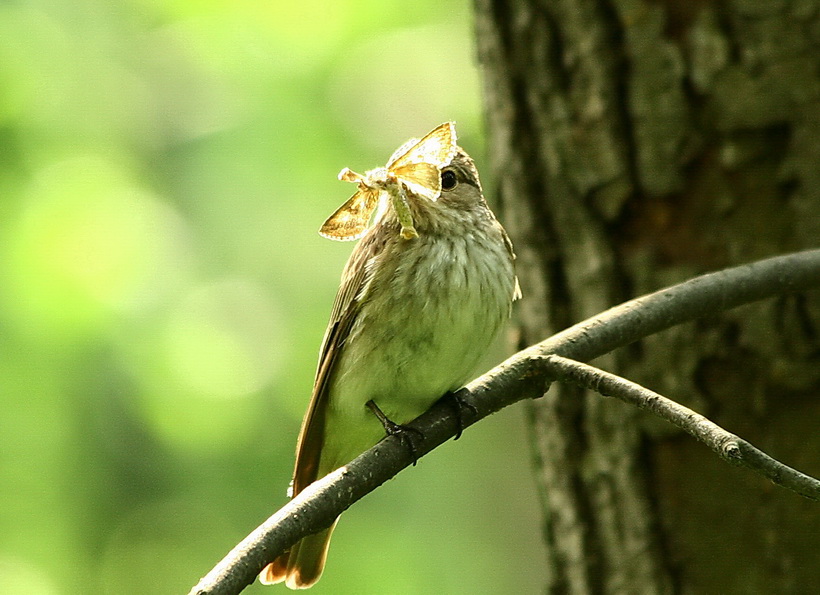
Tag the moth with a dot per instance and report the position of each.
(414, 168)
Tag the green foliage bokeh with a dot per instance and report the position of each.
(164, 167)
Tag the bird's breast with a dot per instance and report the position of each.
(429, 312)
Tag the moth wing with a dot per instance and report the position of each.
(422, 179)
(437, 148)
(350, 220)
(402, 150)
(348, 175)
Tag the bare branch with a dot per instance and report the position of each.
(729, 446)
(520, 377)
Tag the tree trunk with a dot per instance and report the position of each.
(635, 144)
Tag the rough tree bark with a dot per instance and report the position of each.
(634, 144)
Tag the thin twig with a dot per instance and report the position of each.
(729, 446)
(516, 379)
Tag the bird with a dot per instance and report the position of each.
(423, 295)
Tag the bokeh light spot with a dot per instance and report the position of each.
(223, 340)
(90, 244)
(220, 347)
(19, 576)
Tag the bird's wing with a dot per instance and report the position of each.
(355, 278)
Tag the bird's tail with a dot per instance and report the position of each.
(302, 565)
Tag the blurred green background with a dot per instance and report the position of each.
(164, 167)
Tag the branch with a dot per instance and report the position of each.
(730, 447)
(519, 377)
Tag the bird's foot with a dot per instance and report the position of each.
(406, 434)
(457, 401)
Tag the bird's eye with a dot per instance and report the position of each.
(448, 179)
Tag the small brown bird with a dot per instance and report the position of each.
(422, 296)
